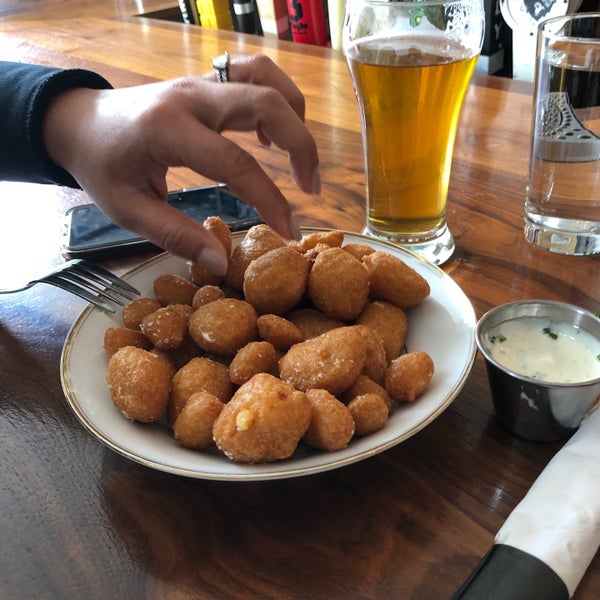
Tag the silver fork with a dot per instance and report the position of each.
(88, 281)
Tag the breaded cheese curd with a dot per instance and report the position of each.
(263, 422)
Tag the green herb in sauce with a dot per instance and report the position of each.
(550, 333)
(497, 338)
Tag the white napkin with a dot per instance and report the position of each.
(558, 521)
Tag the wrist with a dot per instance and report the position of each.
(53, 124)
(63, 126)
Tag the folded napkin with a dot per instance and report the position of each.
(550, 538)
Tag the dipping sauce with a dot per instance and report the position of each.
(550, 352)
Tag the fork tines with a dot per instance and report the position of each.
(93, 283)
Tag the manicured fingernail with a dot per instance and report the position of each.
(294, 229)
(214, 261)
(316, 182)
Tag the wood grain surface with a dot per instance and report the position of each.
(80, 521)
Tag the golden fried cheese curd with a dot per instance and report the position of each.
(258, 240)
(166, 359)
(376, 360)
(137, 309)
(263, 422)
(224, 326)
(200, 374)
(173, 289)
(369, 413)
(358, 250)
(206, 294)
(365, 385)
(276, 281)
(277, 330)
(311, 255)
(331, 361)
(201, 276)
(119, 337)
(312, 322)
(331, 423)
(409, 375)
(194, 424)
(392, 280)
(187, 350)
(139, 383)
(221, 231)
(165, 328)
(253, 358)
(185, 310)
(389, 322)
(338, 284)
(332, 239)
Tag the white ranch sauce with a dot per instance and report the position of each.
(550, 352)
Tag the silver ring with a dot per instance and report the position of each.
(221, 65)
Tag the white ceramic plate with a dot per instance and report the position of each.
(443, 325)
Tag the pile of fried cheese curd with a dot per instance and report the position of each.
(299, 343)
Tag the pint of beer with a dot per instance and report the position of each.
(411, 62)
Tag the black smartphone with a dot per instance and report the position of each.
(88, 233)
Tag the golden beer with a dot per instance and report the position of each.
(409, 92)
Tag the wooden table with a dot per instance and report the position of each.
(80, 521)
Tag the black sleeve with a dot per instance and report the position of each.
(25, 94)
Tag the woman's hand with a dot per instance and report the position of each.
(118, 145)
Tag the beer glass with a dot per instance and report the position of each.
(411, 62)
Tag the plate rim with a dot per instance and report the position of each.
(283, 472)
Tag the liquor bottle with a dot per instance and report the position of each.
(246, 17)
(307, 22)
(215, 14)
(189, 12)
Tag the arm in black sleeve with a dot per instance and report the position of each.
(25, 94)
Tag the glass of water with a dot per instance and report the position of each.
(562, 205)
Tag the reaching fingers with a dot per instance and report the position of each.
(169, 228)
(218, 158)
(261, 70)
(243, 107)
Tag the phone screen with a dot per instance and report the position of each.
(91, 233)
